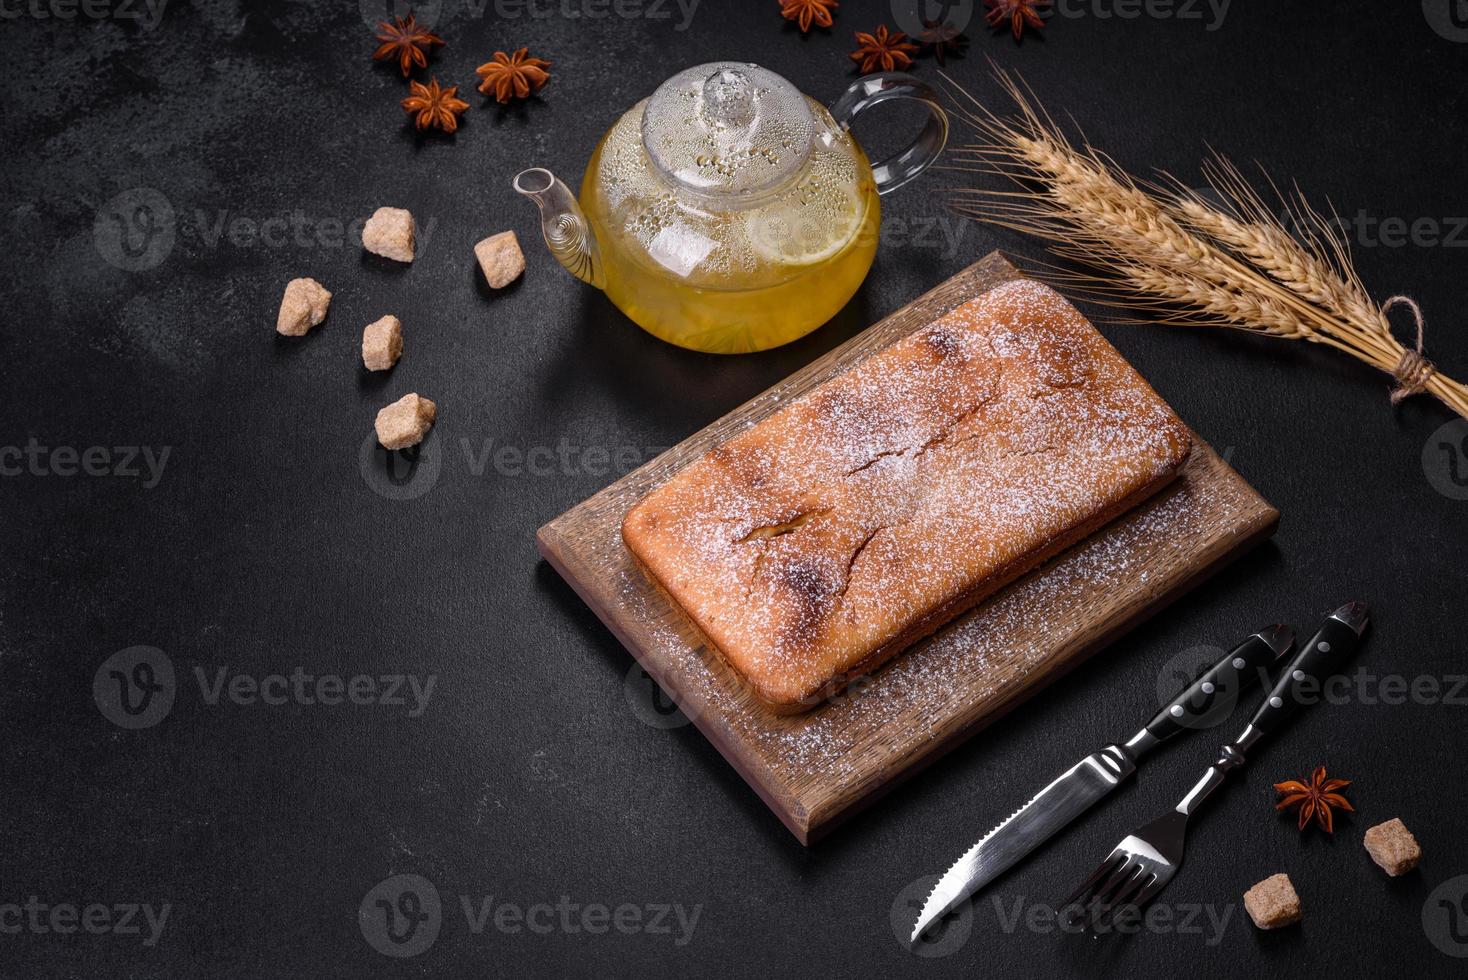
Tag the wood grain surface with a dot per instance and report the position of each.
(815, 769)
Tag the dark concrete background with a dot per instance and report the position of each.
(536, 771)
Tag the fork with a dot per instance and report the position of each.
(1148, 858)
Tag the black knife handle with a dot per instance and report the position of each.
(1240, 669)
(1300, 684)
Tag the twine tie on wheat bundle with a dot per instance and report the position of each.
(1413, 370)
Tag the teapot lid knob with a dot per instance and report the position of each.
(728, 98)
(727, 131)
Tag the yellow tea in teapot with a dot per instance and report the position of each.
(732, 281)
(728, 212)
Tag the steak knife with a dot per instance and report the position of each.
(1082, 785)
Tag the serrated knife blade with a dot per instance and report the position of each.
(1067, 797)
(1079, 788)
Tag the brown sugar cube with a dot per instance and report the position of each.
(389, 233)
(382, 343)
(405, 422)
(303, 306)
(1273, 903)
(1392, 846)
(500, 258)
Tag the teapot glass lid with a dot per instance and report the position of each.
(727, 129)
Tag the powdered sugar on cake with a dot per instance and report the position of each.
(846, 523)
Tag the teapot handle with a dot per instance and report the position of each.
(924, 151)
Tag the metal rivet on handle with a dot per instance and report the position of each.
(1298, 675)
(1177, 711)
(1324, 646)
(1275, 702)
(1208, 687)
(1239, 663)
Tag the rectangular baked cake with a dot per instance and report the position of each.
(817, 544)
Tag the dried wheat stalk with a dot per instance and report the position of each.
(1159, 247)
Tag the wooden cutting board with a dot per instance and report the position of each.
(815, 769)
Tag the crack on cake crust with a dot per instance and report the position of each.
(768, 531)
(855, 554)
(884, 454)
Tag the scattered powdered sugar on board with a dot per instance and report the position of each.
(919, 686)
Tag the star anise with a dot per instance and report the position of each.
(406, 40)
(880, 49)
(941, 40)
(1019, 14)
(1315, 797)
(513, 76)
(436, 107)
(807, 12)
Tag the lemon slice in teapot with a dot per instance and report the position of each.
(809, 234)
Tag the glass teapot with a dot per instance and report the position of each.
(728, 212)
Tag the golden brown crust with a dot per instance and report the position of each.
(861, 517)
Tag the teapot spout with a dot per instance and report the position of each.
(563, 224)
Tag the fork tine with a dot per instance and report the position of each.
(1126, 898)
(1108, 889)
(1117, 882)
(1158, 883)
(1104, 868)
(1101, 903)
